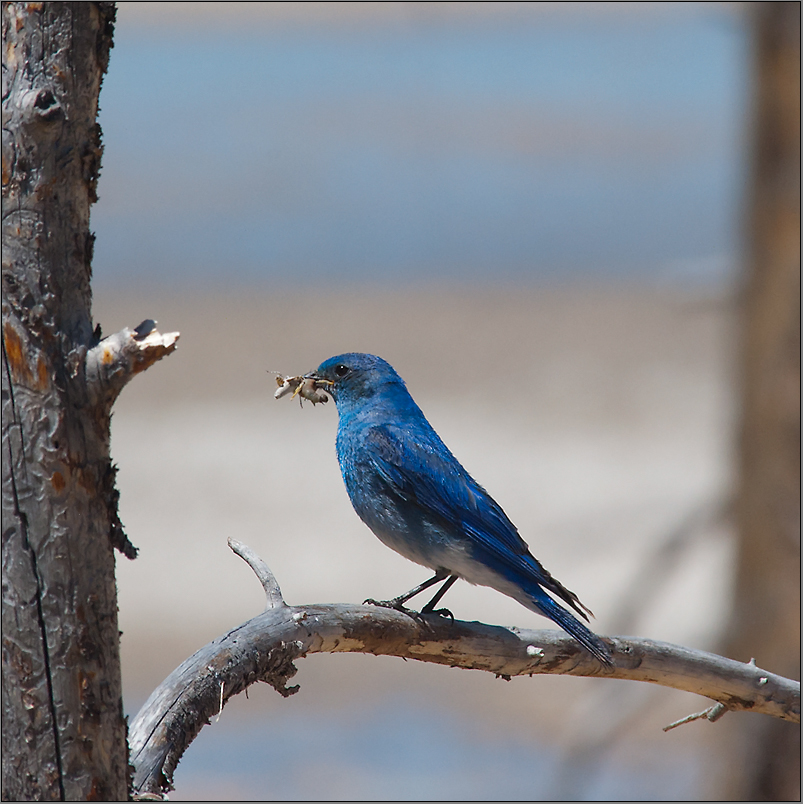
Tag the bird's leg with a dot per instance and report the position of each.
(430, 607)
(398, 602)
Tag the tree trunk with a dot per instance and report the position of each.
(64, 733)
(766, 617)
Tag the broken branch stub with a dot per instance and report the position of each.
(116, 359)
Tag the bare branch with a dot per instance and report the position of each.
(263, 573)
(712, 714)
(116, 359)
(265, 647)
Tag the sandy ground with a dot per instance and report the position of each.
(601, 420)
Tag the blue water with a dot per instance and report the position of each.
(555, 147)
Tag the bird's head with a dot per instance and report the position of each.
(354, 377)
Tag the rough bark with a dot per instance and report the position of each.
(265, 648)
(63, 731)
(766, 615)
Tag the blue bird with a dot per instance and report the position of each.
(418, 499)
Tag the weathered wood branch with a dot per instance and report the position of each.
(265, 648)
(115, 360)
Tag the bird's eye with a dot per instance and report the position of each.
(341, 370)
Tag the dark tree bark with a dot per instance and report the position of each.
(766, 617)
(64, 733)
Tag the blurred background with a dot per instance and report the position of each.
(536, 213)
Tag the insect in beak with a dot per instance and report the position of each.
(307, 386)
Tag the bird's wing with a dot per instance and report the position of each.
(419, 467)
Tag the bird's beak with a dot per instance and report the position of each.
(320, 382)
(317, 381)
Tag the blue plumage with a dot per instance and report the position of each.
(418, 499)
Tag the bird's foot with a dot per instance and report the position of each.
(439, 612)
(396, 604)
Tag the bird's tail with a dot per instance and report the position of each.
(572, 626)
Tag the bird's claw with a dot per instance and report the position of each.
(439, 612)
(398, 605)
(395, 604)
